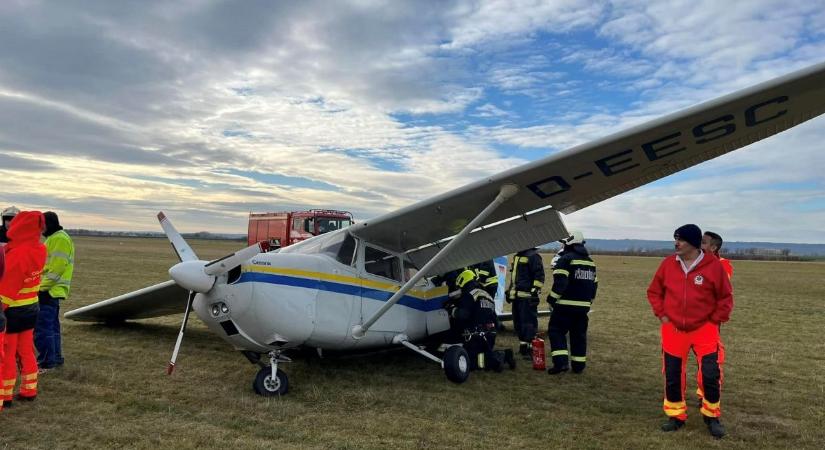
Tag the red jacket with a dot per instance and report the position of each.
(25, 258)
(691, 300)
(727, 266)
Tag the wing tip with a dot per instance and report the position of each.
(161, 216)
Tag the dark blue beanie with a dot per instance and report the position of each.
(689, 233)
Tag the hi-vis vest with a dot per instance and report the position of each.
(57, 275)
(27, 294)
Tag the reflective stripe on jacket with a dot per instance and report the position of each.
(485, 273)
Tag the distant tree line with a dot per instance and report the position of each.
(756, 254)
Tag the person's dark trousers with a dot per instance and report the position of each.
(578, 340)
(525, 319)
(574, 322)
(47, 337)
(557, 333)
(516, 309)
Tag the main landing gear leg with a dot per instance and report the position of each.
(456, 362)
(271, 380)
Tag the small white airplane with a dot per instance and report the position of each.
(367, 286)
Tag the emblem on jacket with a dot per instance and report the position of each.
(698, 280)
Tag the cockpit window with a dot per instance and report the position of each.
(340, 246)
(307, 246)
(381, 263)
(410, 269)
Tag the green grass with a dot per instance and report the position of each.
(113, 391)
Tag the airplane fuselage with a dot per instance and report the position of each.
(286, 300)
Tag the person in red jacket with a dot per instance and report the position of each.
(25, 258)
(2, 314)
(712, 243)
(691, 295)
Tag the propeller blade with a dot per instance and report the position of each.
(225, 264)
(179, 245)
(171, 366)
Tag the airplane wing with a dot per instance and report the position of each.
(589, 173)
(154, 301)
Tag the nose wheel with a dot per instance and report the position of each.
(270, 380)
(267, 386)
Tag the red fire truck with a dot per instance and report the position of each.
(286, 228)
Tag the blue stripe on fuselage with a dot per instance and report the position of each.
(342, 288)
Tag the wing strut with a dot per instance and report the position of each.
(505, 192)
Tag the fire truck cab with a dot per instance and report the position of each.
(281, 229)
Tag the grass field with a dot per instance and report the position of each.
(113, 392)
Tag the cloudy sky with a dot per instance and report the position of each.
(111, 111)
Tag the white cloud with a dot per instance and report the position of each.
(483, 22)
(370, 106)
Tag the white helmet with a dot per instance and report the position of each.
(576, 237)
(11, 211)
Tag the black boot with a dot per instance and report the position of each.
(509, 359)
(715, 427)
(523, 348)
(557, 370)
(496, 361)
(672, 424)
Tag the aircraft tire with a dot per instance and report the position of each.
(457, 364)
(266, 387)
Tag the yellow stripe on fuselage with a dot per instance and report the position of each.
(326, 276)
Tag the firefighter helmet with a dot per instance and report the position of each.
(576, 237)
(465, 277)
(11, 211)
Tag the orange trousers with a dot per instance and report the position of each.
(19, 346)
(709, 351)
(2, 389)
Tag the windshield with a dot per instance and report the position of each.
(339, 245)
(327, 224)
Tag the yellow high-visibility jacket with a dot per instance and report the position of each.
(57, 275)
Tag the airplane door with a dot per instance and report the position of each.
(380, 273)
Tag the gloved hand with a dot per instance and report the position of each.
(535, 292)
(508, 299)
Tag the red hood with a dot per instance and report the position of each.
(25, 229)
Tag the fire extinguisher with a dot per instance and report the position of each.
(538, 353)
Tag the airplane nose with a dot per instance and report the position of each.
(190, 275)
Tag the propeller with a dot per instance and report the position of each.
(171, 367)
(195, 275)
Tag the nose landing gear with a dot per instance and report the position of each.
(271, 380)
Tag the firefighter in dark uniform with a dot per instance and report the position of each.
(486, 275)
(574, 288)
(526, 281)
(488, 279)
(472, 320)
